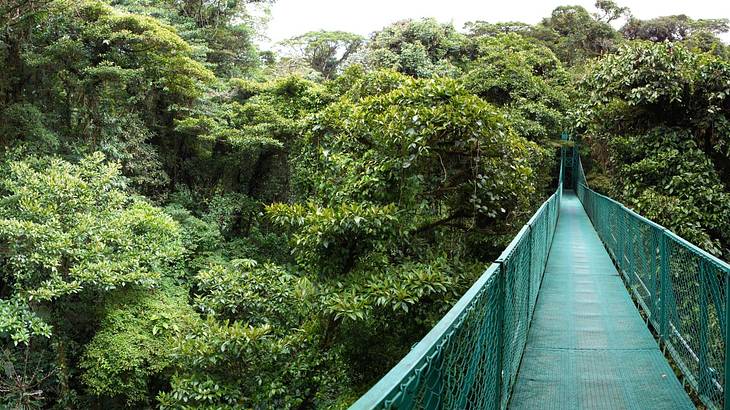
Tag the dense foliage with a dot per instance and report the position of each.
(657, 117)
(187, 221)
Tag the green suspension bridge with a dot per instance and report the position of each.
(553, 323)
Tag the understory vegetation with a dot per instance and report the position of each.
(188, 221)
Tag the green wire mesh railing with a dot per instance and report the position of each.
(469, 360)
(682, 289)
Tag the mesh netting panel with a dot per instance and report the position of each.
(452, 367)
(643, 253)
(695, 308)
(470, 359)
(516, 268)
(539, 246)
(681, 287)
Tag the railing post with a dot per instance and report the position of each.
(574, 168)
(620, 239)
(704, 382)
(725, 388)
(653, 301)
(500, 337)
(664, 292)
(528, 311)
(562, 164)
(547, 240)
(628, 251)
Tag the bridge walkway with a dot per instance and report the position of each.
(588, 347)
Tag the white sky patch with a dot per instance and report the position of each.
(290, 18)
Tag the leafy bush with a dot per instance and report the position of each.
(524, 78)
(69, 229)
(395, 180)
(259, 346)
(419, 48)
(129, 358)
(668, 178)
(657, 117)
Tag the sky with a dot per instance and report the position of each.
(290, 18)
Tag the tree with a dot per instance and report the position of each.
(671, 28)
(243, 140)
(420, 48)
(90, 78)
(13, 12)
(70, 237)
(525, 79)
(698, 34)
(660, 113)
(575, 35)
(609, 11)
(324, 51)
(405, 184)
(130, 358)
(223, 32)
(412, 157)
(486, 29)
(258, 346)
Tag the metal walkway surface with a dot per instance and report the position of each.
(588, 347)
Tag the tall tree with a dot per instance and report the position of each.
(702, 34)
(324, 51)
(14, 11)
(661, 114)
(575, 35)
(609, 11)
(92, 78)
(71, 236)
(672, 28)
(223, 32)
(420, 48)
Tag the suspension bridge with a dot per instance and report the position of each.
(591, 306)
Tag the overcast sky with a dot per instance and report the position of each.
(293, 17)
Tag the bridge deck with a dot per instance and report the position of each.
(587, 347)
